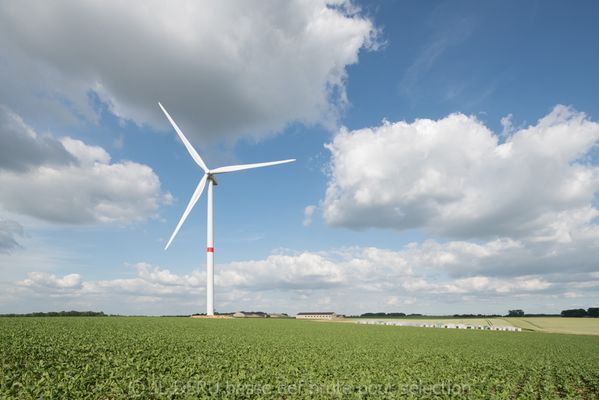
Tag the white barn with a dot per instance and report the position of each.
(316, 315)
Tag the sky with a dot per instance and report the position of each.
(447, 155)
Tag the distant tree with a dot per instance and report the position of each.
(593, 312)
(383, 315)
(59, 314)
(476, 316)
(542, 315)
(396, 314)
(515, 313)
(576, 313)
(374, 314)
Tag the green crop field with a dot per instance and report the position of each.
(577, 326)
(183, 358)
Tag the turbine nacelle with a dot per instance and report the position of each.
(211, 177)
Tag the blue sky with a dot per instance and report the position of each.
(446, 155)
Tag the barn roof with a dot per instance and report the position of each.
(316, 313)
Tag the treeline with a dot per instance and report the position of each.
(592, 312)
(59, 314)
(521, 313)
(476, 315)
(384, 315)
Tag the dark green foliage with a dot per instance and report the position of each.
(476, 316)
(578, 312)
(184, 358)
(383, 315)
(515, 313)
(593, 312)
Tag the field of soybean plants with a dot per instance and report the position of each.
(183, 358)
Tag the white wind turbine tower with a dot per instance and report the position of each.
(208, 177)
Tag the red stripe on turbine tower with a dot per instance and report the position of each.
(210, 249)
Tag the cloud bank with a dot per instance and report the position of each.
(224, 69)
(427, 277)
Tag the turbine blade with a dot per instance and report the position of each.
(233, 168)
(194, 198)
(194, 154)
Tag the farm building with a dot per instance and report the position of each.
(316, 315)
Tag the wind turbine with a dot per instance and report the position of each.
(208, 177)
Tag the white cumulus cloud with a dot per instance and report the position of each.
(46, 280)
(69, 181)
(453, 177)
(224, 68)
